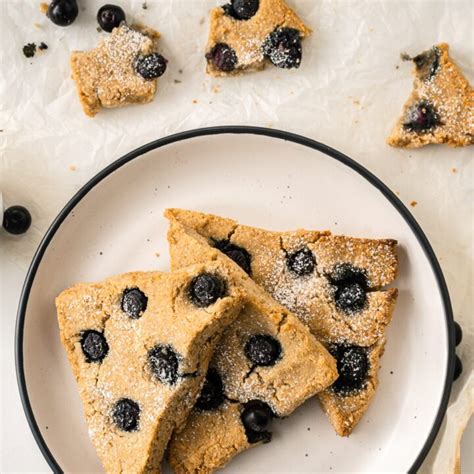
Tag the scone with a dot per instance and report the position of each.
(139, 346)
(441, 106)
(244, 35)
(266, 365)
(333, 283)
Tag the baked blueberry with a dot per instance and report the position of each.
(427, 63)
(457, 333)
(223, 57)
(126, 414)
(301, 262)
(16, 220)
(263, 350)
(151, 65)
(62, 12)
(238, 254)
(352, 366)
(212, 393)
(110, 17)
(283, 48)
(94, 345)
(241, 9)
(257, 417)
(421, 117)
(206, 289)
(351, 287)
(164, 363)
(134, 302)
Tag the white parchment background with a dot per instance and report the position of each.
(347, 94)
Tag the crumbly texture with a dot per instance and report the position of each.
(449, 93)
(304, 368)
(246, 37)
(170, 319)
(105, 76)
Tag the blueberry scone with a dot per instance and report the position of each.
(245, 35)
(441, 106)
(266, 365)
(334, 284)
(139, 346)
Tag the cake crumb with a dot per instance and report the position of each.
(177, 81)
(413, 203)
(356, 102)
(454, 170)
(397, 67)
(43, 7)
(72, 167)
(37, 25)
(195, 101)
(144, 5)
(216, 89)
(157, 254)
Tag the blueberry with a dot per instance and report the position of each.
(16, 220)
(110, 17)
(126, 414)
(206, 289)
(164, 363)
(283, 48)
(238, 254)
(263, 350)
(351, 287)
(457, 333)
(241, 9)
(151, 65)
(427, 63)
(301, 262)
(421, 117)
(352, 365)
(94, 345)
(134, 302)
(62, 12)
(212, 393)
(256, 418)
(223, 57)
(457, 368)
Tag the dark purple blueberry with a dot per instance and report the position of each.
(29, 50)
(206, 289)
(212, 393)
(421, 117)
(94, 345)
(457, 333)
(42, 46)
(62, 12)
(151, 66)
(283, 48)
(301, 262)
(238, 254)
(164, 363)
(110, 17)
(241, 9)
(257, 418)
(262, 350)
(457, 368)
(126, 415)
(16, 220)
(223, 57)
(351, 287)
(352, 366)
(134, 302)
(427, 63)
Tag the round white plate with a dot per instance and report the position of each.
(263, 178)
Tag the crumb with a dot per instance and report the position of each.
(397, 193)
(99, 29)
(144, 5)
(405, 57)
(195, 101)
(356, 102)
(46, 427)
(37, 25)
(201, 21)
(169, 186)
(391, 372)
(157, 254)
(101, 253)
(177, 81)
(1, 130)
(83, 9)
(43, 7)
(335, 223)
(371, 29)
(414, 417)
(397, 67)
(73, 167)
(29, 50)
(306, 455)
(180, 71)
(148, 240)
(42, 46)
(356, 122)
(309, 429)
(413, 203)
(216, 89)
(454, 170)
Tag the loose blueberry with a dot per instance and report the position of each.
(126, 414)
(241, 9)
(351, 287)
(164, 363)
(301, 262)
(457, 368)
(283, 48)
(427, 63)
(206, 289)
(352, 365)
(257, 417)
(16, 220)
(62, 12)
(421, 117)
(151, 66)
(238, 254)
(110, 17)
(457, 333)
(223, 57)
(263, 350)
(212, 393)
(94, 345)
(134, 302)
(29, 50)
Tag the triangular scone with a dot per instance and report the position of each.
(266, 364)
(333, 283)
(246, 37)
(441, 106)
(139, 345)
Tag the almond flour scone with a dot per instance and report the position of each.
(333, 283)
(266, 365)
(441, 106)
(121, 70)
(244, 35)
(139, 346)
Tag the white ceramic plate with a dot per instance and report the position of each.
(264, 178)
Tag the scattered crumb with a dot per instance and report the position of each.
(201, 21)
(46, 427)
(148, 240)
(356, 102)
(405, 57)
(180, 71)
(144, 5)
(99, 29)
(414, 417)
(397, 193)
(101, 253)
(157, 254)
(37, 25)
(391, 372)
(216, 89)
(356, 122)
(309, 429)
(371, 29)
(270, 125)
(454, 170)
(306, 455)
(397, 67)
(177, 81)
(413, 203)
(195, 101)
(29, 50)
(1, 130)
(73, 167)
(43, 7)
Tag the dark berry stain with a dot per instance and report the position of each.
(223, 57)
(352, 365)
(257, 418)
(126, 414)
(351, 287)
(241, 9)
(263, 350)
(421, 117)
(134, 302)
(212, 393)
(206, 289)
(427, 63)
(238, 254)
(42, 46)
(164, 363)
(301, 262)
(94, 345)
(283, 48)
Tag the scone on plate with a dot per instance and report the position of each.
(139, 346)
